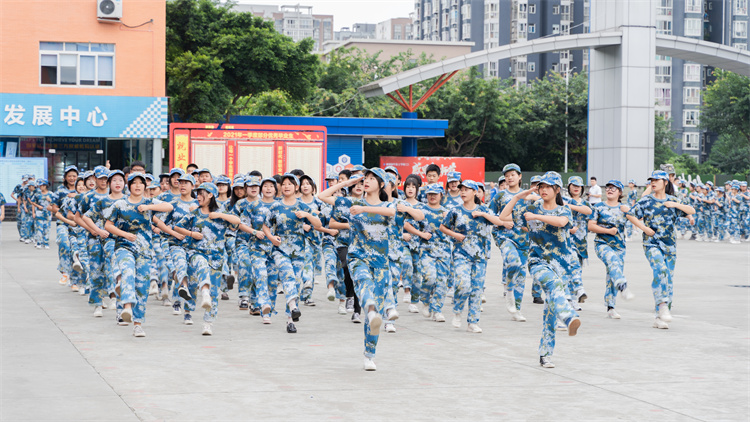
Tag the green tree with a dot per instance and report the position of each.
(271, 103)
(245, 54)
(730, 154)
(726, 105)
(664, 141)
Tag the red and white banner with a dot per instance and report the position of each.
(471, 168)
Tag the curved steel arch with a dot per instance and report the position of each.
(704, 52)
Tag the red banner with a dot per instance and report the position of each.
(471, 168)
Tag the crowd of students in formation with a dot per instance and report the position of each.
(187, 237)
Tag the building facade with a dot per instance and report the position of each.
(679, 84)
(297, 22)
(394, 29)
(84, 92)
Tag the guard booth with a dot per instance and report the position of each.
(240, 148)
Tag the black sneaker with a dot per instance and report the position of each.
(349, 304)
(538, 300)
(255, 311)
(230, 282)
(296, 314)
(224, 296)
(184, 293)
(290, 328)
(244, 305)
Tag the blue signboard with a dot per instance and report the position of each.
(92, 116)
(12, 169)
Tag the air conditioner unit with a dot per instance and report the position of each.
(109, 9)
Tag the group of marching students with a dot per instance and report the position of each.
(187, 237)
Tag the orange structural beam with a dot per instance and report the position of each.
(410, 106)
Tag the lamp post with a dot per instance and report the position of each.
(567, 77)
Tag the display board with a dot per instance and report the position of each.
(12, 168)
(471, 168)
(233, 149)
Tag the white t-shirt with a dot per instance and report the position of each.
(595, 190)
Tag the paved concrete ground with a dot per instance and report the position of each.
(60, 363)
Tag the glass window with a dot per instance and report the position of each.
(690, 141)
(690, 118)
(692, 27)
(49, 69)
(88, 70)
(76, 64)
(692, 73)
(68, 69)
(693, 6)
(691, 95)
(740, 29)
(740, 7)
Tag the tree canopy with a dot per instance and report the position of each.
(216, 56)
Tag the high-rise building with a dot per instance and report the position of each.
(358, 31)
(394, 29)
(297, 22)
(679, 83)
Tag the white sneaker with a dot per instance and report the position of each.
(407, 298)
(369, 365)
(375, 321)
(342, 308)
(510, 303)
(98, 312)
(82, 291)
(207, 331)
(413, 308)
(664, 313)
(126, 315)
(561, 326)
(612, 314)
(138, 331)
(658, 323)
(331, 294)
(456, 320)
(518, 317)
(153, 289)
(46, 247)
(104, 304)
(426, 310)
(390, 328)
(113, 303)
(474, 328)
(266, 319)
(166, 302)
(76, 263)
(627, 294)
(546, 362)
(392, 314)
(574, 305)
(164, 293)
(438, 317)
(206, 301)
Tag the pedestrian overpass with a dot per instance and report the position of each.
(623, 45)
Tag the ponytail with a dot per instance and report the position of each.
(669, 187)
(558, 196)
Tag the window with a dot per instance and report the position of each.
(691, 95)
(664, 27)
(665, 114)
(663, 74)
(690, 118)
(693, 6)
(692, 27)
(556, 9)
(564, 55)
(740, 29)
(664, 58)
(555, 66)
(664, 8)
(692, 73)
(690, 141)
(532, 28)
(741, 46)
(555, 28)
(740, 7)
(663, 96)
(531, 67)
(76, 64)
(532, 9)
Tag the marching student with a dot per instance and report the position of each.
(42, 202)
(130, 221)
(656, 214)
(608, 222)
(548, 221)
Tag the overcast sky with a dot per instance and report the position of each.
(348, 12)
